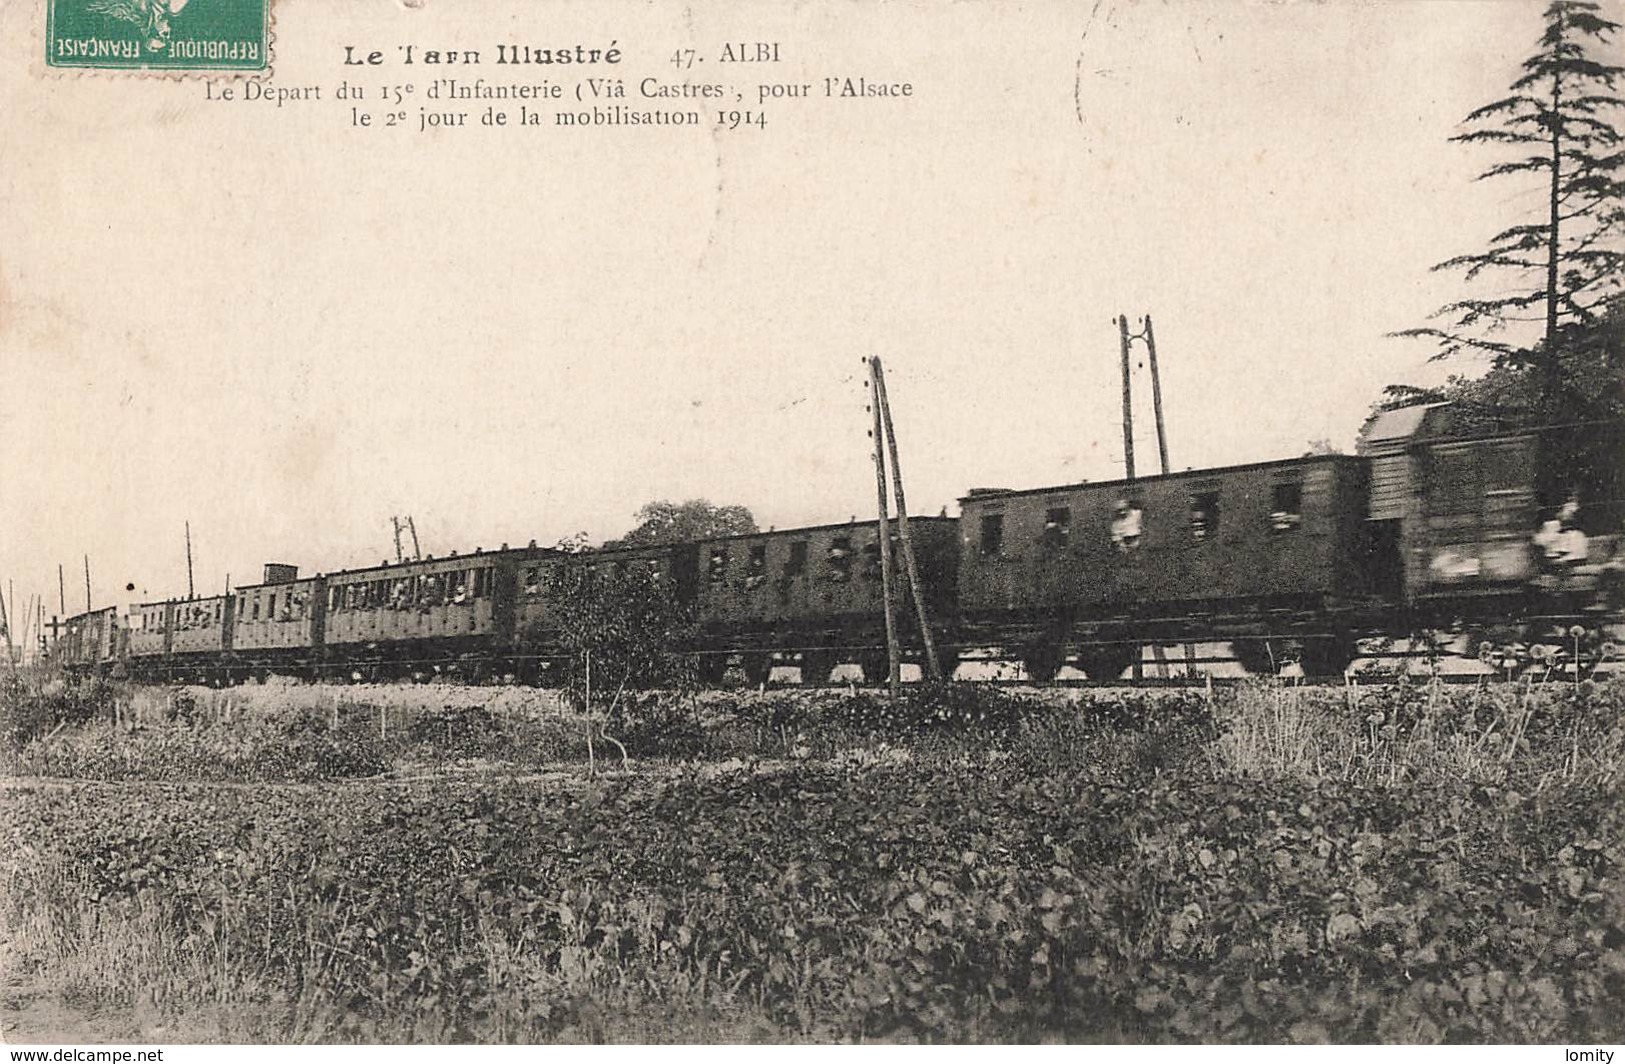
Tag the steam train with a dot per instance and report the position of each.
(1498, 537)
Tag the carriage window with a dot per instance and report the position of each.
(992, 534)
(1057, 526)
(871, 560)
(840, 558)
(718, 565)
(797, 564)
(481, 576)
(1286, 507)
(1204, 515)
(256, 614)
(1128, 523)
(757, 571)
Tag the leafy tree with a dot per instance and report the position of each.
(1558, 123)
(623, 629)
(1591, 366)
(662, 521)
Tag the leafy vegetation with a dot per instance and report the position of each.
(662, 521)
(1557, 125)
(912, 899)
(616, 629)
(1396, 863)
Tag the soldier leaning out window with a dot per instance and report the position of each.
(1057, 527)
(1561, 542)
(1204, 515)
(840, 559)
(1128, 521)
(756, 574)
(1286, 507)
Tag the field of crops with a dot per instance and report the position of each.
(1413, 863)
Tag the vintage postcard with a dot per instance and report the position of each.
(825, 521)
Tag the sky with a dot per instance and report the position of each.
(285, 330)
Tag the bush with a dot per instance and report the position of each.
(31, 707)
(925, 709)
(306, 745)
(659, 725)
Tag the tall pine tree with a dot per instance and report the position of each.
(1561, 124)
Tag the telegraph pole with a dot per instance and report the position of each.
(191, 592)
(5, 625)
(1156, 394)
(87, 583)
(1128, 401)
(933, 667)
(61, 590)
(894, 674)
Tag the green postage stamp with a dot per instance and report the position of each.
(158, 34)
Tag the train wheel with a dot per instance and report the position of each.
(711, 667)
(1109, 661)
(757, 666)
(1042, 661)
(816, 665)
(1330, 656)
(1258, 656)
(876, 667)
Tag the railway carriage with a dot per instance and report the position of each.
(90, 641)
(149, 625)
(1097, 568)
(1503, 529)
(1428, 525)
(420, 617)
(278, 625)
(816, 592)
(199, 637)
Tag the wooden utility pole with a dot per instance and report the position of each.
(417, 550)
(1156, 394)
(1128, 401)
(894, 664)
(191, 591)
(5, 626)
(28, 627)
(933, 667)
(396, 523)
(87, 583)
(61, 590)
